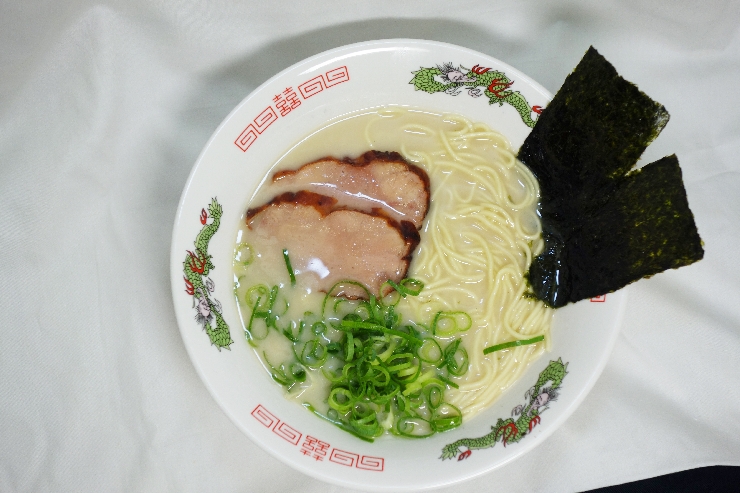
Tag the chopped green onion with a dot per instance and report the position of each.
(362, 311)
(406, 360)
(429, 377)
(435, 394)
(318, 328)
(261, 291)
(392, 344)
(351, 324)
(510, 344)
(398, 288)
(341, 283)
(375, 310)
(412, 286)
(333, 347)
(291, 274)
(350, 352)
(341, 400)
(448, 382)
(273, 303)
(391, 298)
(414, 427)
(295, 373)
(313, 354)
(407, 286)
(367, 426)
(245, 250)
(250, 326)
(385, 373)
(392, 319)
(455, 367)
(430, 352)
(380, 377)
(288, 333)
(446, 417)
(340, 424)
(298, 372)
(333, 378)
(448, 323)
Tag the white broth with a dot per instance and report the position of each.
(476, 244)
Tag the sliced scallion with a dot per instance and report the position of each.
(430, 351)
(450, 359)
(351, 324)
(511, 344)
(338, 423)
(288, 266)
(385, 373)
(449, 323)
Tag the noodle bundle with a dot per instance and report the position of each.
(481, 235)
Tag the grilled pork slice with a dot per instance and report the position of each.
(327, 245)
(375, 180)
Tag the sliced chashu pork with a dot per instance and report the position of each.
(327, 244)
(375, 180)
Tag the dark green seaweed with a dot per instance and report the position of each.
(605, 225)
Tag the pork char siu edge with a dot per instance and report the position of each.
(374, 180)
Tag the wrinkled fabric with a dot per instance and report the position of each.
(104, 108)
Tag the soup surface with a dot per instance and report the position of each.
(407, 357)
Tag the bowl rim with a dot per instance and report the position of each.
(176, 265)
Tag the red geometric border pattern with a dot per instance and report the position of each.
(288, 433)
(246, 138)
(344, 458)
(258, 125)
(265, 119)
(307, 89)
(293, 436)
(337, 76)
(312, 87)
(281, 429)
(264, 416)
(371, 463)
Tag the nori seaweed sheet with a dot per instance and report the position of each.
(604, 226)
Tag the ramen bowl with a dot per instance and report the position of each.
(277, 115)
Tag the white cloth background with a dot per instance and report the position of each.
(104, 108)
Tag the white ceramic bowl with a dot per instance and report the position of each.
(261, 128)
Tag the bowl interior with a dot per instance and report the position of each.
(251, 139)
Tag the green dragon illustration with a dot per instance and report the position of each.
(196, 267)
(479, 81)
(511, 431)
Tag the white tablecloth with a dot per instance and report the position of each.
(104, 108)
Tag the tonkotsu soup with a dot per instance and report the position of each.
(402, 351)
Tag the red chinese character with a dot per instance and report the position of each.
(321, 448)
(287, 101)
(315, 445)
(309, 442)
(292, 98)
